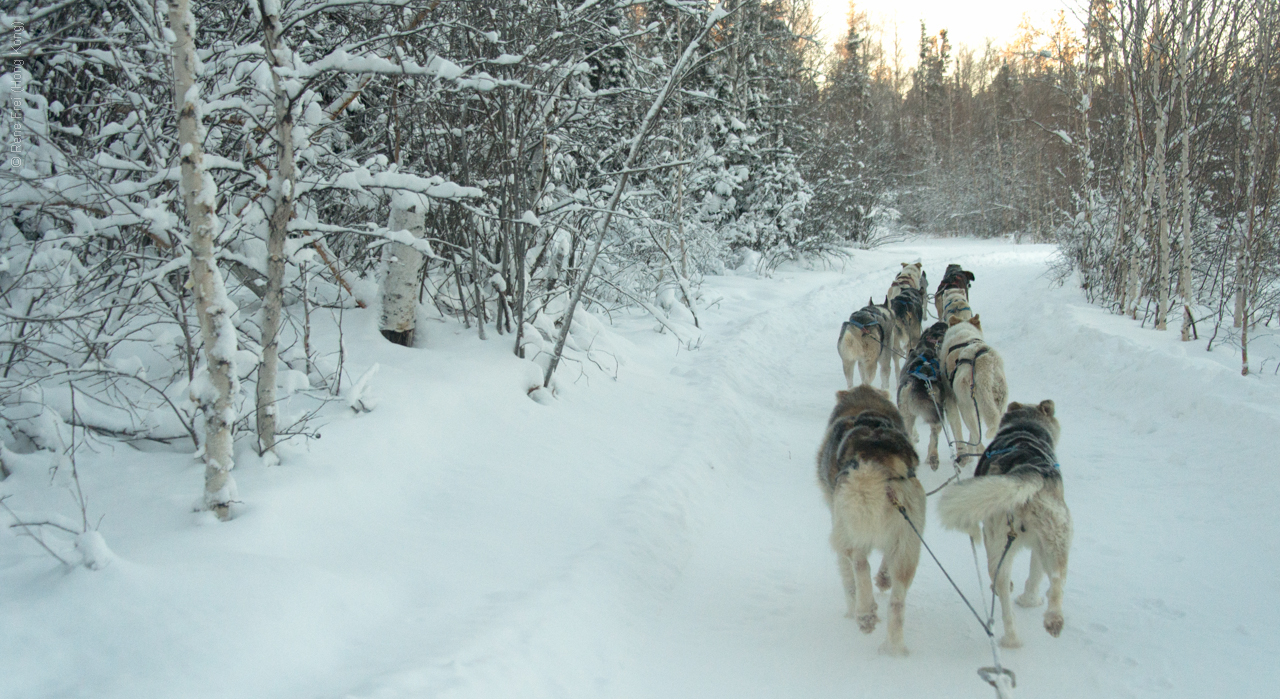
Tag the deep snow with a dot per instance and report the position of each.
(662, 534)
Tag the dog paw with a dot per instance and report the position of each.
(882, 580)
(1053, 622)
(933, 461)
(867, 622)
(896, 650)
(1010, 640)
(1029, 599)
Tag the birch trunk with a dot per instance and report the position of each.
(1246, 264)
(1135, 279)
(404, 262)
(213, 307)
(1184, 175)
(278, 225)
(1162, 185)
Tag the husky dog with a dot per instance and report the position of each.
(908, 312)
(866, 340)
(976, 375)
(954, 304)
(922, 388)
(1016, 493)
(911, 277)
(867, 468)
(953, 278)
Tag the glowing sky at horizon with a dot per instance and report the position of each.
(969, 23)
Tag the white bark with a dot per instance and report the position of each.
(1162, 186)
(400, 288)
(285, 181)
(1184, 175)
(1247, 263)
(1144, 208)
(213, 306)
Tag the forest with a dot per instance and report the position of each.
(192, 189)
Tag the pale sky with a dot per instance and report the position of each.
(966, 21)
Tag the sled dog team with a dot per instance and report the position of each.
(867, 461)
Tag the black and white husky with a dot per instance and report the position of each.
(923, 389)
(1016, 494)
(955, 278)
(908, 313)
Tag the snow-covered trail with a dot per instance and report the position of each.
(714, 577)
(662, 535)
(1169, 463)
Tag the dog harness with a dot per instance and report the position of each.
(1024, 446)
(864, 326)
(946, 309)
(951, 375)
(926, 369)
(871, 421)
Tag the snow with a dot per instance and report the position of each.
(661, 534)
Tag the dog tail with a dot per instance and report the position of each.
(967, 503)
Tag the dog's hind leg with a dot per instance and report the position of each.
(994, 531)
(958, 449)
(848, 371)
(886, 360)
(906, 408)
(902, 570)
(882, 576)
(932, 459)
(1030, 596)
(845, 560)
(867, 368)
(965, 401)
(1053, 548)
(866, 602)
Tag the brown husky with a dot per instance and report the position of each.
(867, 468)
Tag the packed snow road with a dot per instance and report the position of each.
(715, 578)
(662, 534)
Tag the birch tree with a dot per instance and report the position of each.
(217, 396)
(278, 56)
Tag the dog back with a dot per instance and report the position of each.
(1024, 444)
(922, 360)
(870, 320)
(955, 278)
(908, 305)
(865, 429)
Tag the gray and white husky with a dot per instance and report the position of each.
(1016, 494)
(866, 468)
(866, 340)
(976, 374)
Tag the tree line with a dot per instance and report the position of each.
(203, 188)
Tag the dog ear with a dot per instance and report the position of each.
(970, 275)
(904, 264)
(952, 321)
(974, 322)
(1046, 407)
(840, 396)
(1013, 406)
